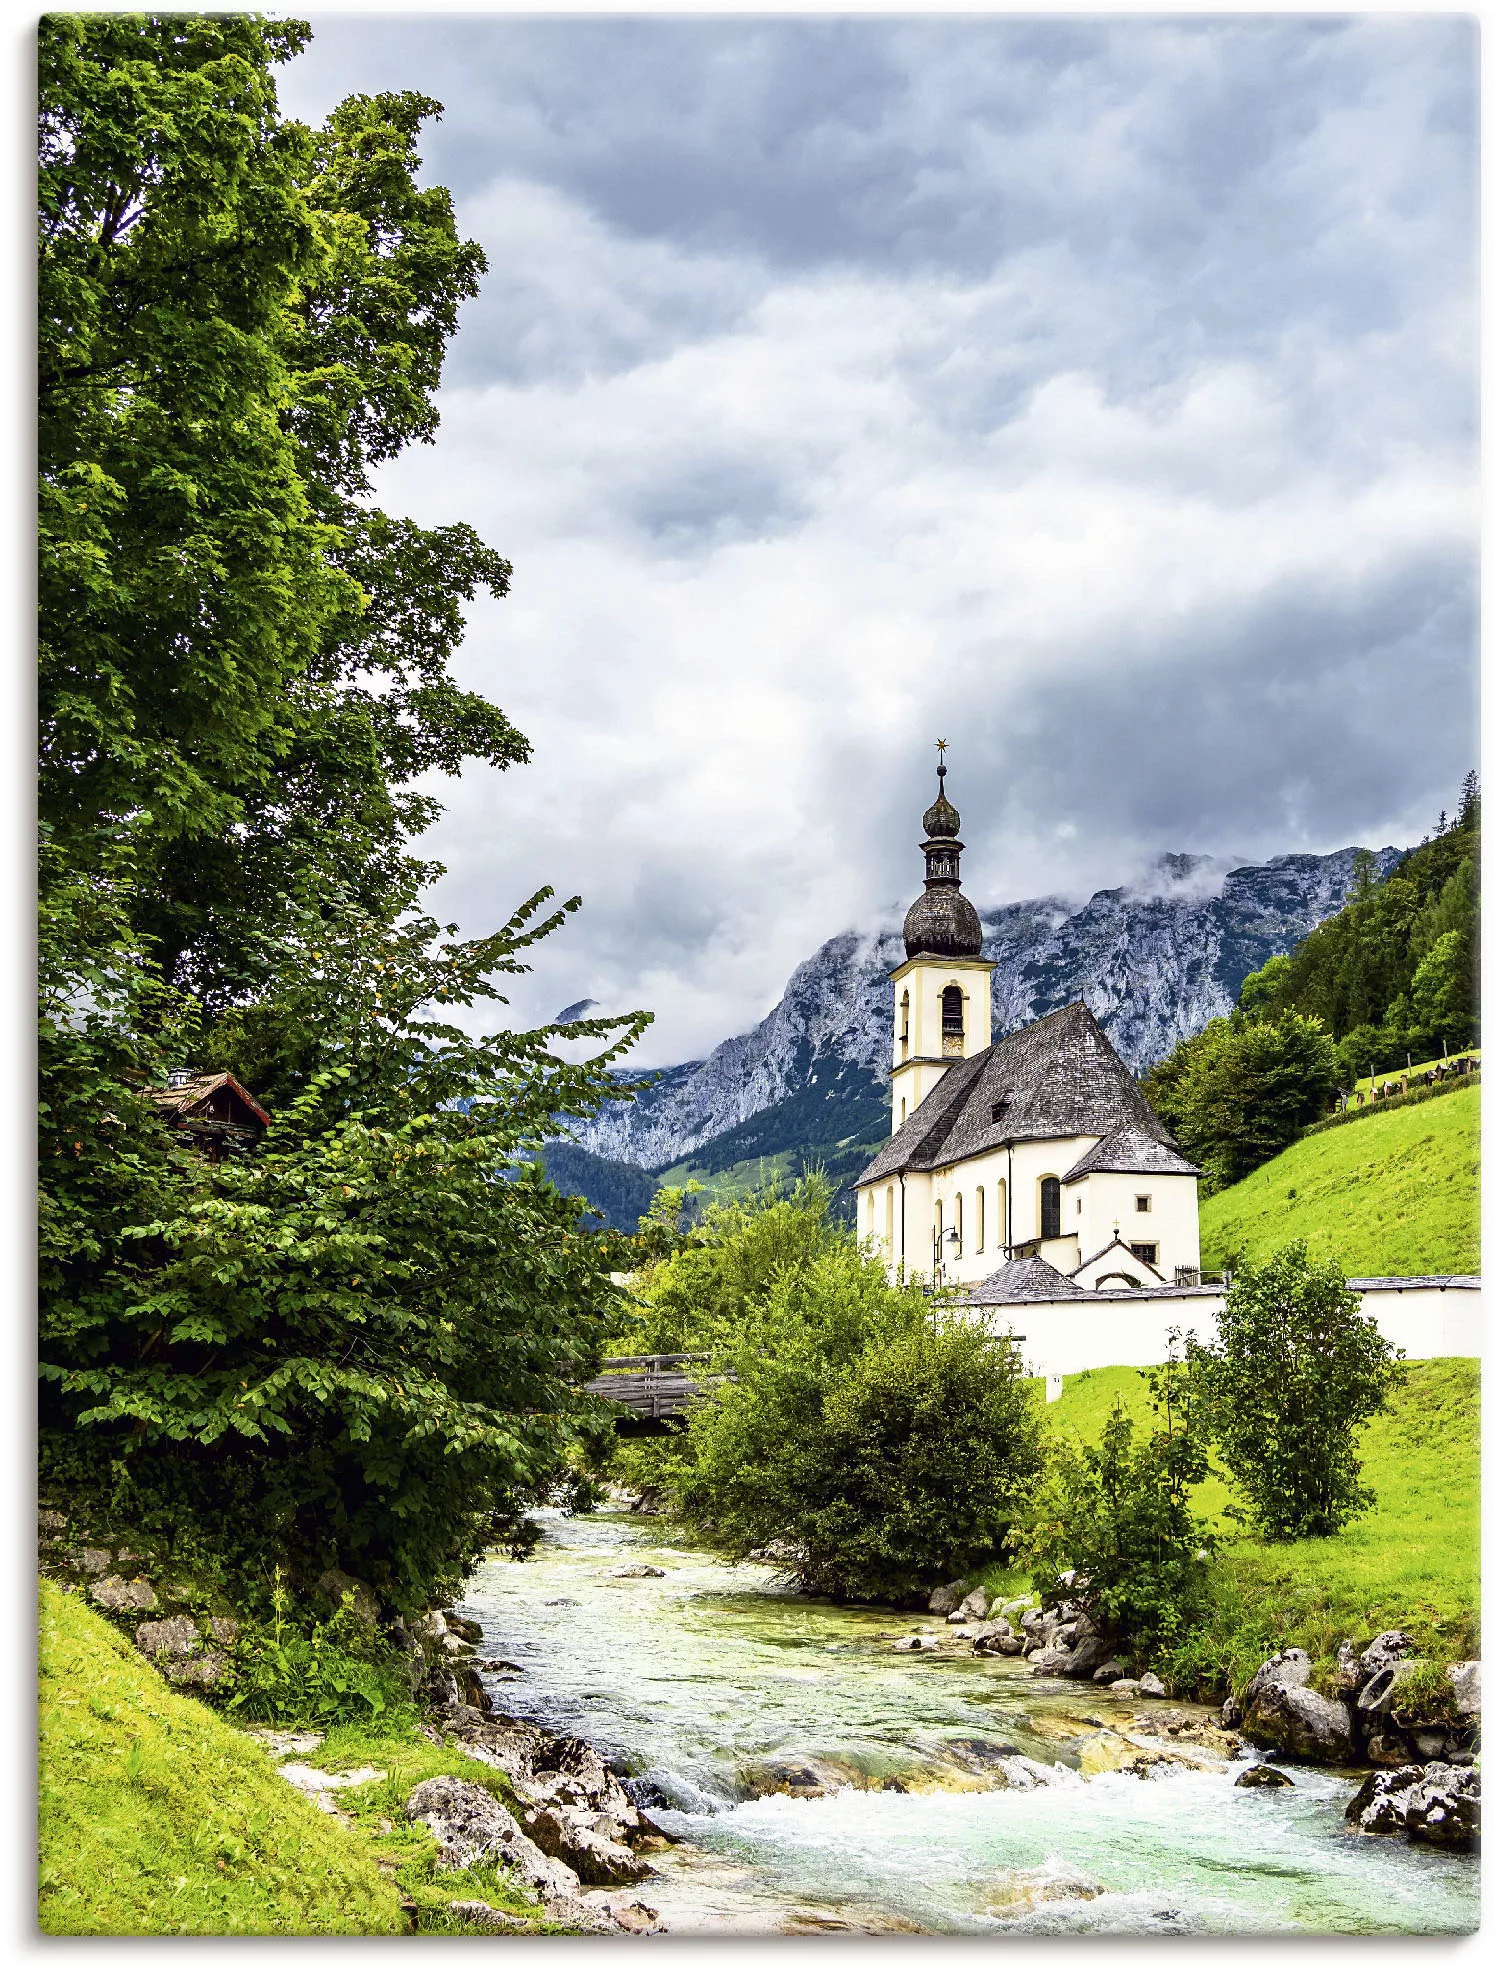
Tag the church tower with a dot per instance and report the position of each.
(941, 995)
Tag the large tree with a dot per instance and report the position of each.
(361, 1341)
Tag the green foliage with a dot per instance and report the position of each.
(1394, 1193)
(876, 1445)
(1295, 1371)
(1383, 975)
(315, 1672)
(361, 1341)
(617, 1194)
(1244, 1087)
(1117, 1511)
(1411, 1562)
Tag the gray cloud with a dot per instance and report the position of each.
(1097, 394)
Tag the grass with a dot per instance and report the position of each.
(159, 1818)
(1394, 1195)
(743, 1177)
(1412, 1561)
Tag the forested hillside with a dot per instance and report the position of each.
(1390, 978)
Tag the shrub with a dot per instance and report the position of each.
(884, 1447)
(1295, 1371)
(318, 1671)
(1117, 1513)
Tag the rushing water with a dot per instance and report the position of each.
(715, 1683)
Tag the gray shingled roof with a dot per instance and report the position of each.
(1132, 1149)
(1026, 1279)
(1053, 1080)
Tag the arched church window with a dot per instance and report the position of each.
(903, 1033)
(1003, 1223)
(980, 1221)
(1048, 1194)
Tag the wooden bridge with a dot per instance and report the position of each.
(655, 1387)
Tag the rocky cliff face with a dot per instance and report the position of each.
(1154, 962)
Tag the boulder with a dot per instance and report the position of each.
(564, 1832)
(1259, 1776)
(959, 1616)
(467, 1628)
(472, 1826)
(1150, 1687)
(1290, 1668)
(50, 1522)
(636, 1570)
(473, 1911)
(1378, 1690)
(1050, 1661)
(1300, 1723)
(1348, 1674)
(1005, 1644)
(430, 1627)
(915, 1642)
(174, 1646)
(343, 1589)
(1108, 1673)
(1387, 1751)
(1443, 1808)
(93, 1563)
(948, 1597)
(1381, 1652)
(1432, 1802)
(1127, 1689)
(114, 1594)
(1231, 1714)
(977, 1604)
(1013, 1608)
(1465, 1686)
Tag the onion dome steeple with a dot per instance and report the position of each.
(942, 922)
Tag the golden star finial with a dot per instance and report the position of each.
(943, 747)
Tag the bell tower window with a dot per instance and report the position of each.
(903, 1031)
(952, 1021)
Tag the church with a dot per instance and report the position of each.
(1025, 1169)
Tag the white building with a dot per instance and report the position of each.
(1039, 1152)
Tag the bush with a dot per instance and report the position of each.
(318, 1672)
(1295, 1371)
(1117, 1513)
(878, 1445)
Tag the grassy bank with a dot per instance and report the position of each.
(159, 1818)
(1396, 1194)
(1411, 1561)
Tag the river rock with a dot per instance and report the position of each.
(485, 1917)
(564, 1832)
(1125, 1689)
(1150, 1687)
(636, 1570)
(1049, 1661)
(1231, 1714)
(472, 1826)
(50, 1523)
(1300, 1723)
(92, 1562)
(1292, 1667)
(1383, 1651)
(1052, 1882)
(430, 1626)
(1387, 1750)
(1006, 1644)
(1110, 1673)
(977, 1604)
(1466, 1683)
(948, 1597)
(1433, 1803)
(112, 1593)
(1259, 1776)
(343, 1589)
(959, 1616)
(916, 1642)
(1379, 1689)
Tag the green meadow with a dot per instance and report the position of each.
(1412, 1561)
(1393, 1194)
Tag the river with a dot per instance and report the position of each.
(715, 1682)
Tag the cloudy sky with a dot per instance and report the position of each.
(1097, 394)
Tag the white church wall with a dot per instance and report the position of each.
(1106, 1205)
(1426, 1317)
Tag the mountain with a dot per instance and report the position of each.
(1154, 961)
